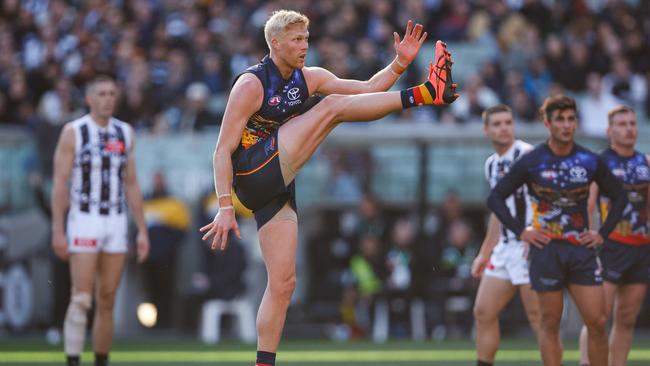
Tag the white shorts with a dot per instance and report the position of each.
(92, 233)
(509, 262)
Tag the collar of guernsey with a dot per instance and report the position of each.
(283, 99)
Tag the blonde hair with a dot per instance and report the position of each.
(618, 110)
(279, 21)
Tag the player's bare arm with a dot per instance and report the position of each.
(324, 82)
(245, 98)
(490, 241)
(63, 161)
(134, 199)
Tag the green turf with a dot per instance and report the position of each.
(170, 351)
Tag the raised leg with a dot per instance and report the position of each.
(302, 135)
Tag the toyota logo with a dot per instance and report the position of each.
(293, 93)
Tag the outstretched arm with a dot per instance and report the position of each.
(245, 98)
(324, 82)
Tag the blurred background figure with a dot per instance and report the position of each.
(455, 265)
(168, 220)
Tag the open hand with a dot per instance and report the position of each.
(219, 228)
(407, 49)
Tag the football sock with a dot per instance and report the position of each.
(483, 363)
(101, 359)
(265, 358)
(418, 95)
(73, 360)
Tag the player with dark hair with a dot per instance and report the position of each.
(95, 155)
(264, 141)
(558, 174)
(502, 263)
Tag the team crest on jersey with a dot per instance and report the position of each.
(549, 174)
(578, 174)
(275, 100)
(114, 147)
(642, 172)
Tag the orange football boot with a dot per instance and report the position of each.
(440, 76)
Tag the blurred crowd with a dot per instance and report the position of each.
(375, 266)
(176, 60)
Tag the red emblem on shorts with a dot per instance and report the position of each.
(275, 100)
(84, 242)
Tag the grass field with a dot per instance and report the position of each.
(173, 351)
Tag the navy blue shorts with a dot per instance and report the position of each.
(625, 264)
(258, 180)
(560, 263)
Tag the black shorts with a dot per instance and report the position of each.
(625, 264)
(560, 263)
(258, 180)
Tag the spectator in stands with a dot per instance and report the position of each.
(628, 86)
(371, 221)
(595, 106)
(369, 271)
(76, 39)
(193, 114)
(459, 251)
(59, 105)
(478, 97)
(455, 265)
(167, 220)
(400, 263)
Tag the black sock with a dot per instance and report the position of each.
(101, 359)
(483, 363)
(73, 360)
(265, 358)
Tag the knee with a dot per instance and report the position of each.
(105, 301)
(596, 325)
(332, 106)
(625, 318)
(482, 314)
(533, 316)
(283, 287)
(80, 302)
(550, 323)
